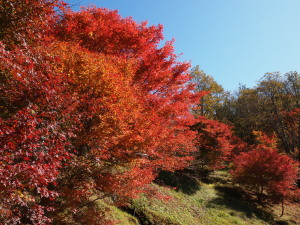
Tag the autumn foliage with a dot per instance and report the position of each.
(263, 170)
(91, 107)
(214, 144)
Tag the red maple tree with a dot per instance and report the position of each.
(264, 170)
(90, 107)
(214, 143)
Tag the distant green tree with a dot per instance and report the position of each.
(292, 87)
(247, 109)
(280, 94)
(211, 103)
(268, 107)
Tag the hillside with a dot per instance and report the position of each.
(98, 110)
(197, 202)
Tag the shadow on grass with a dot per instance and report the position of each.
(140, 216)
(180, 180)
(234, 199)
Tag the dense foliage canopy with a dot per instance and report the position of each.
(90, 107)
(94, 106)
(264, 170)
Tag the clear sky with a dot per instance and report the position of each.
(235, 41)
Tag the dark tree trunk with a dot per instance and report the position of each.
(282, 207)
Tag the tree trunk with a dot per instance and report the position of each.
(282, 207)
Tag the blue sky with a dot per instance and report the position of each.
(235, 41)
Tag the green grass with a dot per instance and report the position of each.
(215, 202)
(100, 212)
(117, 215)
(205, 206)
(212, 203)
(209, 203)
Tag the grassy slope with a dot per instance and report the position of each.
(119, 216)
(206, 204)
